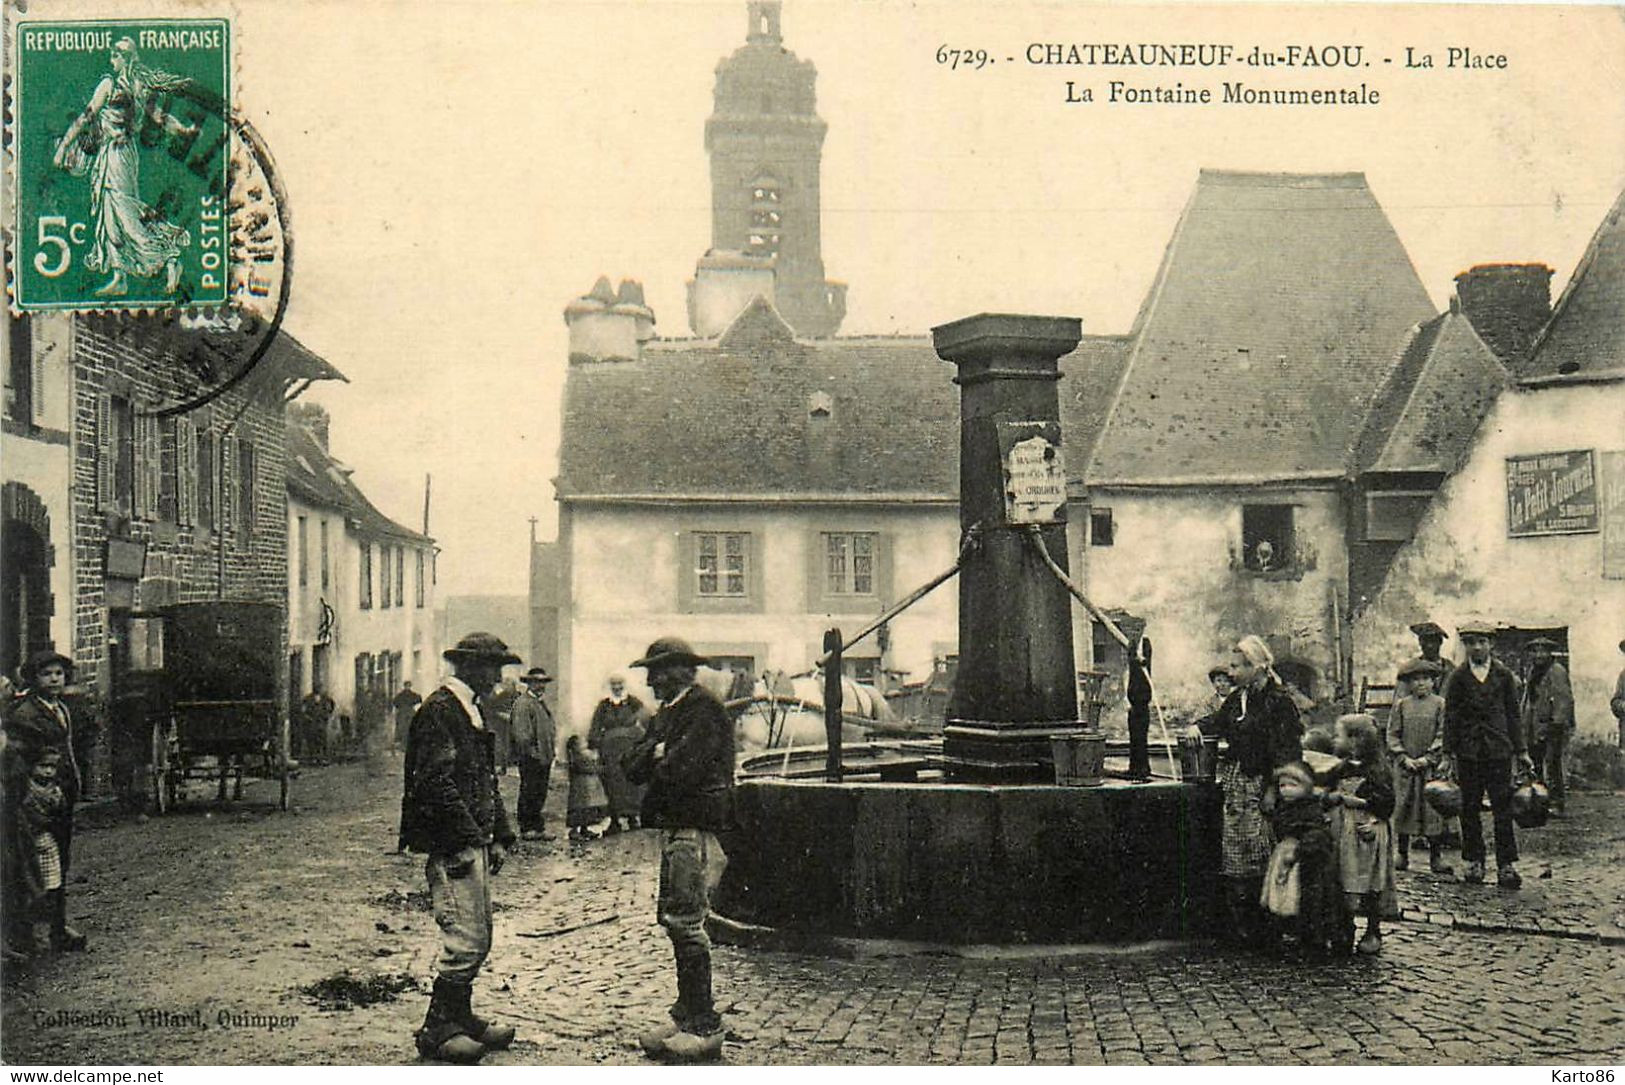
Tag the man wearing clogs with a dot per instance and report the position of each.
(686, 758)
(452, 811)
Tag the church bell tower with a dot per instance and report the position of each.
(765, 140)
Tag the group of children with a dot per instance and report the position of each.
(1345, 816)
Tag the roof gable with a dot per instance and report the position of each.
(1428, 410)
(757, 326)
(1587, 331)
(1277, 314)
(315, 476)
(748, 417)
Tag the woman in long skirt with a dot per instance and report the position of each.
(1260, 724)
(617, 725)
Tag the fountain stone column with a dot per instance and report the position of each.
(1016, 684)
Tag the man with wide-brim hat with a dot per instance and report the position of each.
(452, 811)
(686, 758)
(41, 725)
(1483, 737)
(1548, 718)
(532, 737)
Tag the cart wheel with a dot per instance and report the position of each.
(163, 786)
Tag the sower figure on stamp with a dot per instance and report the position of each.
(452, 811)
(687, 759)
(1483, 733)
(532, 737)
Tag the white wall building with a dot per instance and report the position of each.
(361, 587)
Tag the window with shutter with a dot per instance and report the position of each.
(225, 449)
(36, 383)
(168, 476)
(106, 450)
(138, 465)
(207, 448)
(185, 472)
(149, 466)
(247, 507)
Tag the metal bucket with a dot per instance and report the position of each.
(1199, 759)
(1080, 759)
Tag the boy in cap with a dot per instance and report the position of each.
(39, 725)
(1430, 639)
(452, 811)
(1483, 735)
(687, 759)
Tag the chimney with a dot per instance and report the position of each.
(605, 325)
(724, 283)
(1507, 304)
(313, 417)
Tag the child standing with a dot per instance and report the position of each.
(1301, 882)
(1363, 804)
(41, 807)
(588, 803)
(1416, 743)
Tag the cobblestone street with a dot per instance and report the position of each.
(235, 909)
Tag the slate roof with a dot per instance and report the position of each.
(1586, 333)
(316, 477)
(1282, 304)
(1425, 415)
(733, 417)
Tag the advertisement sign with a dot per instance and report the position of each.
(1613, 515)
(1553, 493)
(1034, 476)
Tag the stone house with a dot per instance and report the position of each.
(1247, 458)
(360, 586)
(1529, 529)
(36, 523)
(168, 509)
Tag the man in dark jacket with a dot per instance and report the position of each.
(687, 759)
(39, 723)
(532, 736)
(1483, 733)
(1548, 719)
(452, 810)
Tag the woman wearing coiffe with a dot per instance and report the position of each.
(1260, 724)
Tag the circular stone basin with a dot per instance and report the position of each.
(881, 855)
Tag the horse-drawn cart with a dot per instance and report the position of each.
(213, 709)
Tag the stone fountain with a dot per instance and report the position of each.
(974, 842)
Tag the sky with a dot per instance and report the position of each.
(459, 170)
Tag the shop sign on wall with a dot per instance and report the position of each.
(1034, 478)
(1554, 493)
(1613, 515)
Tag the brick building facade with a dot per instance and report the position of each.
(173, 509)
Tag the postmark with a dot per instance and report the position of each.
(122, 140)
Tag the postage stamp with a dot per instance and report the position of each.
(121, 141)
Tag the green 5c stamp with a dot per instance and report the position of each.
(122, 138)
